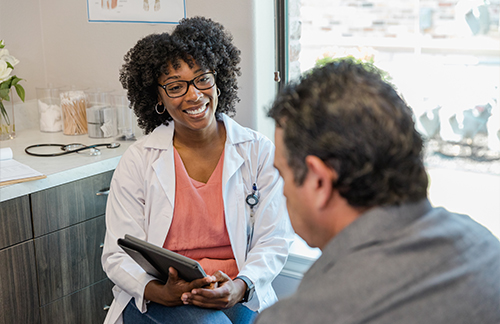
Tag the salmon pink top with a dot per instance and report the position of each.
(198, 228)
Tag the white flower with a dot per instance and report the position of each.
(4, 56)
(4, 71)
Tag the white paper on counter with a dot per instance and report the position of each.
(11, 169)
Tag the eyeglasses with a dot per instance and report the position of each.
(179, 88)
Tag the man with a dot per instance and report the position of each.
(356, 187)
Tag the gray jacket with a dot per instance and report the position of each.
(406, 264)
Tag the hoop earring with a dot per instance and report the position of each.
(218, 92)
(156, 108)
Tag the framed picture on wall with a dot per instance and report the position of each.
(136, 11)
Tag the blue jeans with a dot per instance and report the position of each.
(156, 314)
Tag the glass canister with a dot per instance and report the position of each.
(101, 115)
(126, 120)
(49, 110)
(74, 112)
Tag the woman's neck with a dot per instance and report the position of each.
(206, 138)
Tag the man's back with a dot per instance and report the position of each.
(408, 264)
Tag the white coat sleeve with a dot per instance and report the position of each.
(125, 215)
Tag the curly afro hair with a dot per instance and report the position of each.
(195, 40)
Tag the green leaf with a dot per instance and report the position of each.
(14, 80)
(6, 84)
(20, 91)
(10, 65)
(4, 94)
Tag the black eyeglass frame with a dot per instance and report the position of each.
(164, 86)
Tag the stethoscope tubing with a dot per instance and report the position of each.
(64, 148)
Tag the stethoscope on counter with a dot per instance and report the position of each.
(252, 200)
(71, 148)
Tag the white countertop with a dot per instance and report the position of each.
(58, 169)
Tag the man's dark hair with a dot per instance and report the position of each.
(356, 123)
(195, 40)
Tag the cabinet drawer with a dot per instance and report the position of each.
(18, 293)
(69, 204)
(87, 306)
(15, 221)
(70, 259)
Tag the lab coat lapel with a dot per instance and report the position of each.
(235, 221)
(232, 162)
(233, 187)
(232, 158)
(164, 167)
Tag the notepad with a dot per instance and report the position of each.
(12, 171)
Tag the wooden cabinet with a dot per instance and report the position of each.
(15, 221)
(69, 204)
(18, 287)
(84, 306)
(70, 259)
(51, 272)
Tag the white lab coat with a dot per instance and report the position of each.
(141, 203)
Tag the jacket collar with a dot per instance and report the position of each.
(372, 227)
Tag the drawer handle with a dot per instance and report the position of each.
(101, 245)
(106, 308)
(103, 192)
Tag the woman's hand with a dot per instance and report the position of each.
(226, 295)
(169, 294)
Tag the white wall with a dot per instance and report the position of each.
(56, 44)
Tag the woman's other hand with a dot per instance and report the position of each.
(169, 294)
(226, 295)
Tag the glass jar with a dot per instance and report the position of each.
(126, 120)
(49, 110)
(74, 112)
(101, 115)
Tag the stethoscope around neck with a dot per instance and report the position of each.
(71, 148)
(252, 200)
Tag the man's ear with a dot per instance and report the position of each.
(320, 178)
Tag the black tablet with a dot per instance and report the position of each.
(156, 260)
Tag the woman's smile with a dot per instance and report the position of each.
(195, 112)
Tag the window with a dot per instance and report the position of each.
(444, 58)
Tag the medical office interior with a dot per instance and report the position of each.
(443, 56)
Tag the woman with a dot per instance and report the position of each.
(184, 186)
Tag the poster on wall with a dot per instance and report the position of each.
(136, 11)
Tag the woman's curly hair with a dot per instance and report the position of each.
(195, 40)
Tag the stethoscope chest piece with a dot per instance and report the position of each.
(252, 200)
(94, 151)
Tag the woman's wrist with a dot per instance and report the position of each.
(151, 290)
(241, 288)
